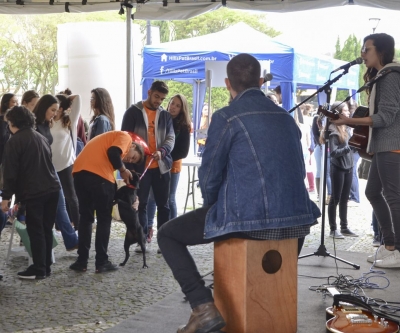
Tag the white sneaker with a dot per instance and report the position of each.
(380, 253)
(390, 261)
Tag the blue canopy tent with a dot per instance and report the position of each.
(184, 61)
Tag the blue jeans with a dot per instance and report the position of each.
(151, 204)
(375, 225)
(64, 224)
(3, 220)
(354, 190)
(318, 163)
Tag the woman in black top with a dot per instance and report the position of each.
(341, 173)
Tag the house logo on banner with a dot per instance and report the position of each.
(164, 58)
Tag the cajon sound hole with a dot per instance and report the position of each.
(271, 262)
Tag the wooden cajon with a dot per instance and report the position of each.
(255, 285)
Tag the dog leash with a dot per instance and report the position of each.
(148, 165)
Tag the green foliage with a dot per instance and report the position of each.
(350, 51)
(28, 49)
(219, 96)
(211, 22)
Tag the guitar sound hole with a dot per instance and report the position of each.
(271, 262)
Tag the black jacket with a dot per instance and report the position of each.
(28, 170)
(340, 152)
(4, 136)
(182, 142)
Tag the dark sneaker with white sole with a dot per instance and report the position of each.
(107, 267)
(78, 266)
(336, 234)
(31, 274)
(347, 232)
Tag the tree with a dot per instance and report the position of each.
(28, 49)
(202, 25)
(350, 51)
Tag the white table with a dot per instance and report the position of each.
(191, 162)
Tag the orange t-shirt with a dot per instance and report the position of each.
(94, 158)
(151, 136)
(176, 166)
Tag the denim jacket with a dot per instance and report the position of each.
(252, 172)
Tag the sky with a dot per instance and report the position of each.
(317, 30)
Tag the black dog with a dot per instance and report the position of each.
(125, 197)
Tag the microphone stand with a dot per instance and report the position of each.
(322, 251)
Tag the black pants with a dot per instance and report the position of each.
(173, 239)
(160, 185)
(40, 219)
(383, 192)
(94, 194)
(67, 183)
(341, 183)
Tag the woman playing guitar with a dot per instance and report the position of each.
(383, 187)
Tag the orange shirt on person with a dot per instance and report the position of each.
(151, 135)
(94, 158)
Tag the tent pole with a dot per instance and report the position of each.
(129, 62)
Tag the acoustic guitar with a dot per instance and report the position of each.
(359, 139)
(347, 318)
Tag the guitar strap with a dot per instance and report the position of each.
(357, 301)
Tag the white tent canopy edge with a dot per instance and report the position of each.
(185, 9)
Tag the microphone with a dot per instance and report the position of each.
(357, 61)
(372, 82)
(268, 77)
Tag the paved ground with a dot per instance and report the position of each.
(88, 302)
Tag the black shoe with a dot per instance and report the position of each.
(31, 274)
(78, 266)
(108, 266)
(348, 232)
(1, 277)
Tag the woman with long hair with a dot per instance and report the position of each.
(103, 119)
(341, 173)
(383, 186)
(179, 111)
(29, 99)
(64, 132)
(45, 110)
(30, 175)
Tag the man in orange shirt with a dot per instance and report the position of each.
(154, 124)
(95, 187)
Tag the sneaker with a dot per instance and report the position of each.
(150, 235)
(73, 248)
(390, 261)
(78, 266)
(380, 253)
(107, 267)
(348, 232)
(138, 249)
(376, 241)
(352, 203)
(30, 274)
(336, 234)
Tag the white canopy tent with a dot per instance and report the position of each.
(179, 9)
(173, 10)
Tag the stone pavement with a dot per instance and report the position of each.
(87, 302)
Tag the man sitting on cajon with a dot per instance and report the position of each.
(252, 182)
